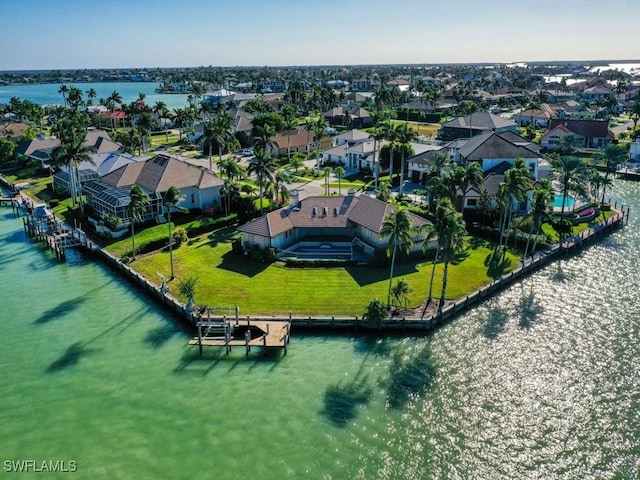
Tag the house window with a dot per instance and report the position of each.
(193, 198)
(472, 202)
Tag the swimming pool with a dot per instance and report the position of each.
(569, 202)
(310, 250)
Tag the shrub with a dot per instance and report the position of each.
(180, 236)
(112, 222)
(375, 313)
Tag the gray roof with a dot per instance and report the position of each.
(480, 121)
(494, 145)
(326, 212)
(161, 172)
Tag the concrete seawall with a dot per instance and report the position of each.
(450, 311)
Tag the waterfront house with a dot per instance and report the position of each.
(40, 149)
(593, 133)
(358, 217)
(103, 163)
(475, 124)
(298, 139)
(110, 193)
(535, 116)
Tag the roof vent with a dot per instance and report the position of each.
(314, 211)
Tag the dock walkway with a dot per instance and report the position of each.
(245, 333)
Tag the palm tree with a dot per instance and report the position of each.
(64, 90)
(145, 125)
(451, 238)
(613, 155)
(467, 178)
(75, 98)
(398, 226)
(568, 170)
(390, 133)
(401, 291)
(161, 110)
(511, 191)
(327, 179)
(91, 94)
(541, 205)
(405, 135)
(339, 172)
(138, 204)
(181, 117)
(319, 131)
(112, 99)
(279, 186)
(635, 113)
(231, 171)
(379, 117)
(264, 168)
(218, 132)
(172, 198)
(568, 144)
(71, 153)
(289, 116)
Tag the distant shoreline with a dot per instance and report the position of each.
(240, 67)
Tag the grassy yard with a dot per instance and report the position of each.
(548, 229)
(228, 279)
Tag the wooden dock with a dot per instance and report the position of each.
(242, 333)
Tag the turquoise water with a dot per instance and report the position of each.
(540, 382)
(568, 203)
(47, 94)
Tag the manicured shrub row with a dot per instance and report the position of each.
(209, 224)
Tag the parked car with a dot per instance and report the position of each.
(247, 152)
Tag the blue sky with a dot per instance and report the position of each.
(67, 34)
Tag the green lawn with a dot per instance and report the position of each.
(228, 279)
(548, 229)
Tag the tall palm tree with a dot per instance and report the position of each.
(568, 144)
(327, 178)
(216, 132)
(613, 155)
(379, 118)
(398, 226)
(112, 99)
(405, 135)
(138, 204)
(161, 110)
(145, 125)
(181, 117)
(568, 170)
(451, 238)
(264, 168)
(390, 134)
(231, 171)
(64, 90)
(91, 95)
(71, 153)
(319, 131)
(279, 186)
(289, 116)
(75, 98)
(172, 197)
(340, 172)
(511, 191)
(467, 178)
(541, 206)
